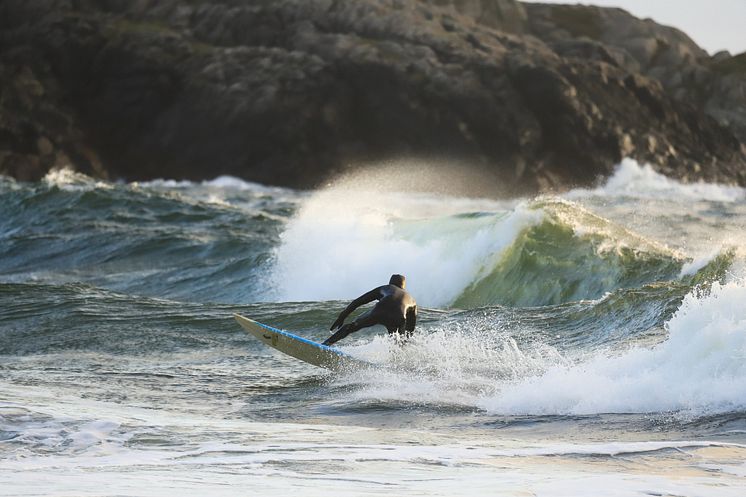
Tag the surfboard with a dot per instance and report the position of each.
(299, 347)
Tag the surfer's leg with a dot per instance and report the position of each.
(363, 321)
(400, 335)
(338, 335)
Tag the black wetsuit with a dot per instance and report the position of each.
(396, 310)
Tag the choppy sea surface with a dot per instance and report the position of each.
(588, 343)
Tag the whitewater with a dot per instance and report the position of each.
(591, 342)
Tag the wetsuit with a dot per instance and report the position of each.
(396, 310)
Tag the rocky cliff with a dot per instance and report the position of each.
(292, 92)
(715, 85)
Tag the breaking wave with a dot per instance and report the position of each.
(541, 252)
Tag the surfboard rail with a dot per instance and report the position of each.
(295, 346)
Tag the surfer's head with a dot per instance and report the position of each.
(398, 280)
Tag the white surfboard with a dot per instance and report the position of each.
(299, 347)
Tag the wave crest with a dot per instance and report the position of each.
(546, 251)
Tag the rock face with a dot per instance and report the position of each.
(291, 92)
(715, 85)
(504, 15)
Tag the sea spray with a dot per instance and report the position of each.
(341, 244)
(451, 367)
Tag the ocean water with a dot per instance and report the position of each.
(587, 343)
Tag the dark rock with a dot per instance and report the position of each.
(292, 92)
(505, 15)
(715, 85)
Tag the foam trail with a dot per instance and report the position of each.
(699, 369)
(342, 243)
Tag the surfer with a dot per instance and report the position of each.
(396, 310)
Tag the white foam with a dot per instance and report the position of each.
(68, 179)
(163, 183)
(630, 179)
(699, 369)
(221, 182)
(231, 182)
(343, 243)
(453, 366)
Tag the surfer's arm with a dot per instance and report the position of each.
(366, 298)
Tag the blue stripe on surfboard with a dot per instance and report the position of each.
(321, 346)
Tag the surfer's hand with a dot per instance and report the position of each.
(339, 322)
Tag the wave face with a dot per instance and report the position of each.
(183, 241)
(571, 255)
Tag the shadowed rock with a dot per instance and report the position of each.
(292, 92)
